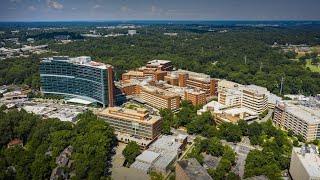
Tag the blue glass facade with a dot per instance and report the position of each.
(61, 75)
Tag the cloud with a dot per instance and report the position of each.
(97, 6)
(74, 8)
(15, 1)
(124, 9)
(32, 8)
(12, 8)
(156, 10)
(153, 9)
(54, 4)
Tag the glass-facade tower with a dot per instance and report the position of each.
(77, 77)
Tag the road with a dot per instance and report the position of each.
(267, 117)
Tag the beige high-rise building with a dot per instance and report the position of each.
(137, 122)
(252, 97)
(194, 80)
(159, 98)
(305, 163)
(300, 119)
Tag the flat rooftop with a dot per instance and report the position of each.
(157, 62)
(235, 111)
(133, 73)
(147, 156)
(311, 116)
(81, 60)
(157, 91)
(310, 161)
(193, 169)
(140, 115)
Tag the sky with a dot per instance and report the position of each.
(108, 10)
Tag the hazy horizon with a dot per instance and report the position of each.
(155, 10)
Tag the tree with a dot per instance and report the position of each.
(156, 176)
(254, 129)
(259, 163)
(232, 176)
(230, 132)
(131, 151)
(215, 147)
(229, 154)
(243, 125)
(200, 123)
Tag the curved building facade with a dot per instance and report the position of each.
(78, 77)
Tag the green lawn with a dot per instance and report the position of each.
(313, 68)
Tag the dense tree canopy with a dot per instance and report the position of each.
(43, 141)
(220, 55)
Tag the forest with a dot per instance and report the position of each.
(43, 140)
(243, 55)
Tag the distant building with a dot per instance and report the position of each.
(195, 80)
(78, 77)
(305, 163)
(300, 119)
(144, 73)
(163, 65)
(132, 32)
(14, 95)
(15, 142)
(170, 34)
(191, 169)
(134, 122)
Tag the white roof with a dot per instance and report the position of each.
(215, 104)
(307, 114)
(310, 161)
(79, 101)
(82, 60)
(157, 62)
(235, 111)
(147, 156)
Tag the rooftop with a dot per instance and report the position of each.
(147, 157)
(167, 143)
(257, 89)
(228, 84)
(193, 75)
(309, 115)
(158, 91)
(157, 62)
(81, 60)
(193, 169)
(234, 111)
(140, 115)
(310, 160)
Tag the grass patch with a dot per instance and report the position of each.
(312, 67)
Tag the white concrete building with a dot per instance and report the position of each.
(305, 163)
